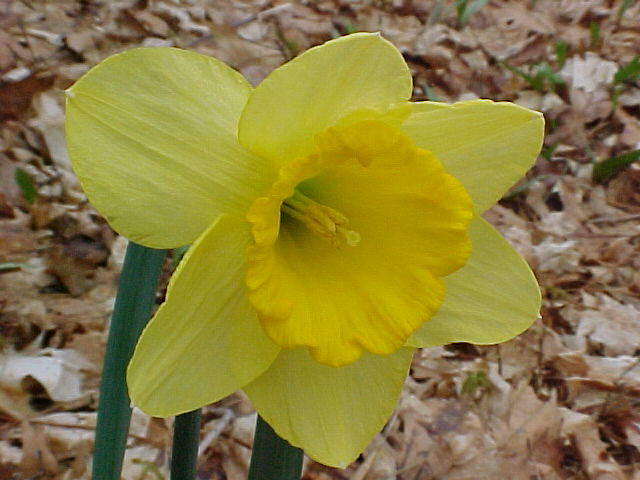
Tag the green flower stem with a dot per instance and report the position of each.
(273, 458)
(184, 455)
(134, 303)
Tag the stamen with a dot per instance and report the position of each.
(327, 223)
(352, 237)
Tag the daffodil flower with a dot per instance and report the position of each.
(335, 227)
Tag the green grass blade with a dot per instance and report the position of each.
(623, 7)
(594, 30)
(134, 303)
(630, 72)
(469, 9)
(12, 266)
(26, 185)
(184, 455)
(562, 49)
(603, 171)
(273, 458)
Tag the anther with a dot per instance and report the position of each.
(326, 222)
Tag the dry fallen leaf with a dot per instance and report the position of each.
(580, 238)
(58, 372)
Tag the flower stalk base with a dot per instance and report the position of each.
(134, 303)
(184, 454)
(273, 458)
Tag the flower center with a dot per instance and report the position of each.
(340, 302)
(325, 222)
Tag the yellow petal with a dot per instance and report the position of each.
(331, 413)
(487, 146)
(368, 274)
(319, 87)
(426, 107)
(151, 135)
(493, 298)
(205, 341)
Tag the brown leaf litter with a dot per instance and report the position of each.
(558, 402)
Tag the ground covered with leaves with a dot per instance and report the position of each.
(562, 401)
